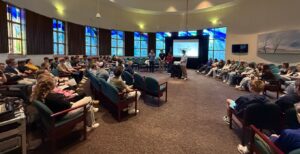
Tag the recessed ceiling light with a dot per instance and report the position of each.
(112, 1)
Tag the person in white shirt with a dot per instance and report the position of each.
(183, 62)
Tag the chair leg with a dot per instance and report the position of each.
(119, 114)
(244, 135)
(230, 119)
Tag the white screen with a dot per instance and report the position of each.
(190, 46)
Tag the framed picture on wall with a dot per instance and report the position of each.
(282, 42)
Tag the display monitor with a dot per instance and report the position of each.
(191, 46)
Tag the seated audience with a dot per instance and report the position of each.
(30, 65)
(288, 140)
(43, 92)
(287, 101)
(23, 69)
(203, 68)
(237, 72)
(3, 79)
(54, 63)
(247, 75)
(129, 68)
(13, 75)
(122, 87)
(219, 72)
(255, 97)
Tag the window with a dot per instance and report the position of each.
(217, 42)
(160, 41)
(140, 44)
(117, 43)
(16, 30)
(91, 41)
(187, 33)
(59, 39)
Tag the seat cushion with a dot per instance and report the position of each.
(262, 146)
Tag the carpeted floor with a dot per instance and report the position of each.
(190, 122)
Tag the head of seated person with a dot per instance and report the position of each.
(2, 67)
(118, 71)
(257, 86)
(45, 85)
(46, 60)
(11, 63)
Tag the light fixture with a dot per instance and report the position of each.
(98, 15)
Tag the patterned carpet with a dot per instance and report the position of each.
(190, 122)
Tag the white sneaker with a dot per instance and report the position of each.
(243, 149)
(88, 129)
(95, 125)
(237, 86)
(132, 111)
(95, 109)
(185, 78)
(224, 81)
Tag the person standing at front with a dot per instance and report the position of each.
(161, 59)
(183, 62)
(151, 60)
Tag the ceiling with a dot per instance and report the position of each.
(240, 16)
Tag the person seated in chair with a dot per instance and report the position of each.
(203, 68)
(3, 78)
(129, 68)
(117, 82)
(13, 75)
(255, 97)
(288, 140)
(56, 102)
(30, 65)
(287, 101)
(23, 69)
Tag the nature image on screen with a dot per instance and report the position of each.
(191, 47)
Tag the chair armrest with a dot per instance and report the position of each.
(68, 110)
(265, 139)
(162, 83)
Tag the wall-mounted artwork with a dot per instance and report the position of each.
(283, 42)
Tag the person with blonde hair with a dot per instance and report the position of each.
(255, 97)
(43, 91)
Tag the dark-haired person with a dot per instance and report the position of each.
(117, 82)
(14, 75)
(151, 60)
(3, 78)
(255, 97)
(287, 101)
(169, 61)
(129, 68)
(161, 60)
(183, 63)
(30, 65)
(203, 68)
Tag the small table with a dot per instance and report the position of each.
(20, 130)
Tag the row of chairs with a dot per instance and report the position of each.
(116, 101)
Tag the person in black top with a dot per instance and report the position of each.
(129, 68)
(256, 97)
(161, 59)
(43, 91)
(286, 102)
